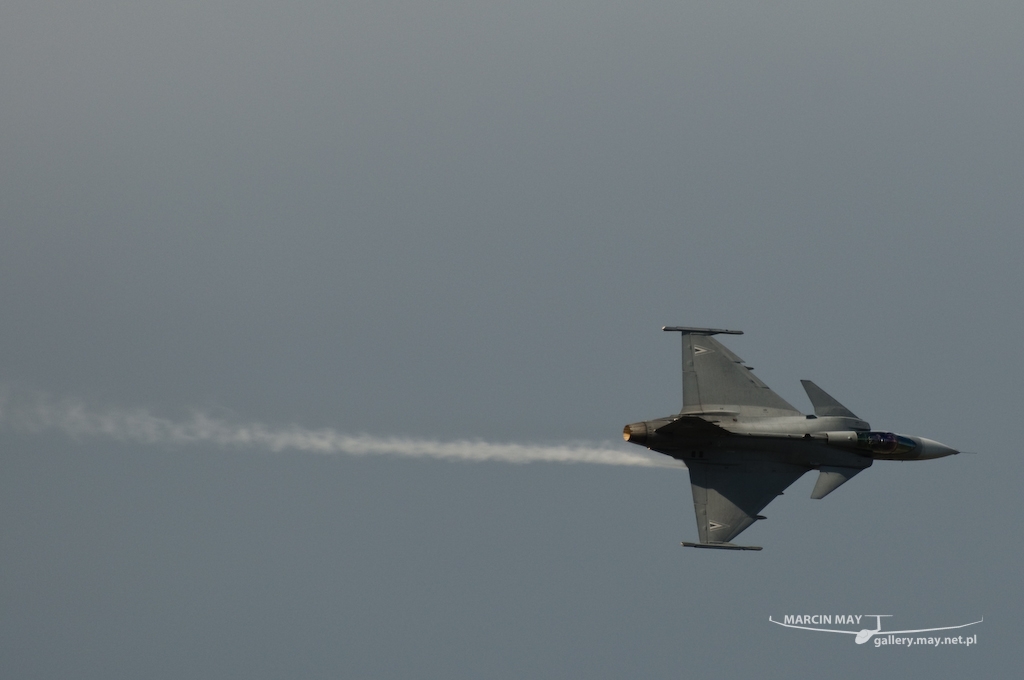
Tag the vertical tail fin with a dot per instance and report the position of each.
(824, 404)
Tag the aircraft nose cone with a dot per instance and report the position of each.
(933, 449)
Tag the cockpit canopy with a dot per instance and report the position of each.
(885, 443)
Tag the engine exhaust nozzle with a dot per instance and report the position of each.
(635, 433)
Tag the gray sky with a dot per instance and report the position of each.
(463, 220)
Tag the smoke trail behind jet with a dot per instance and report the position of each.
(76, 420)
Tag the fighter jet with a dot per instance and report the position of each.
(744, 445)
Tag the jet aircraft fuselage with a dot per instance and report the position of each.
(744, 445)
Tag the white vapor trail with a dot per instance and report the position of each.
(139, 426)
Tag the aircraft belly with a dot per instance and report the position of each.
(801, 452)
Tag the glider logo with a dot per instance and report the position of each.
(882, 637)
